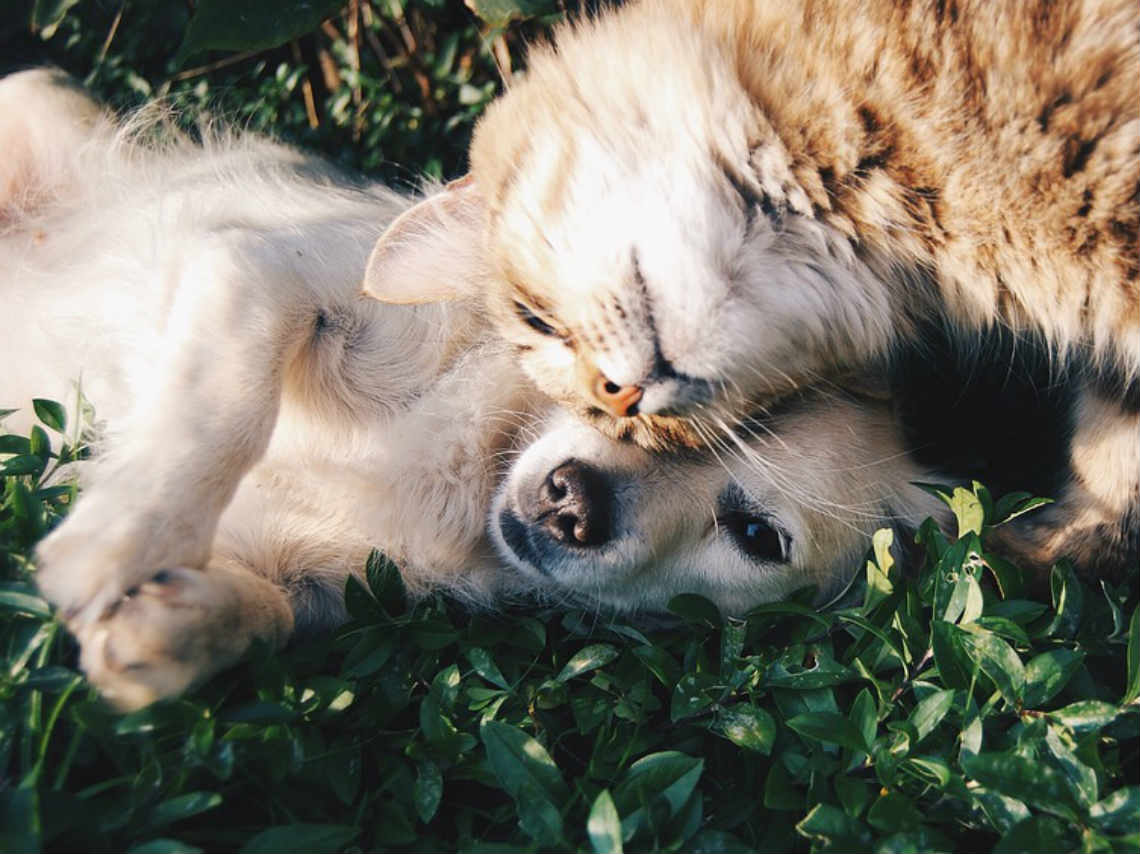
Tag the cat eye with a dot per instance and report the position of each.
(534, 321)
(757, 536)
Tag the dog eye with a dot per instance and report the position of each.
(757, 537)
(534, 321)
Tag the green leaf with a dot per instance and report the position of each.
(930, 711)
(964, 503)
(1030, 781)
(780, 792)
(1010, 579)
(251, 24)
(428, 790)
(370, 653)
(920, 841)
(997, 660)
(879, 585)
(485, 666)
(669, 775)
(1037, 833)
(1068, 601)
(1082, 778)
(695, 609)
(694, 693)
(829, 727)
(24, 464)
(520, 762)
(835, 829)
(1086, 715)
(864, 716)
(930, 770)
(301, 838)
(853, 794)
(1009, 507)
(604, 825)
(47, 15)
(386, 583)
(12, 444)
(794, 609)
(18, 599)
(1020, 611)
(590, 658)
(50, 413)
(182, 806)
(1048, 673)
(892, 812)
(972, 608)
(498, 13)
(538, 816)
(20, 822)
(1118, 812)
(748, 726)
(1002, 811)
(818, 670)
(1132, 663)
(954, 665)
(951, 580)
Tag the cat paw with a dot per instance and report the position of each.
(173, 632)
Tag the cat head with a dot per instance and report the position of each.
(647, 248)
(607, 524)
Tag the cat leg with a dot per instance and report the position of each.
(206, 393)
(1095, 522)
(178, 628)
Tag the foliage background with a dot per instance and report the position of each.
(947, 709)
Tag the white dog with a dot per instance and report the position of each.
(262, 427)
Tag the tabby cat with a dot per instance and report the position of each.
(694, 207)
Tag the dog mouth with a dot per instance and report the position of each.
(515, 537)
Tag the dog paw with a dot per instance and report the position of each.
(87, 565)
(174, 631)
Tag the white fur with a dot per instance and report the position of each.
(261, 427)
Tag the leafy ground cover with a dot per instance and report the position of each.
(944, 708)
(942, 711)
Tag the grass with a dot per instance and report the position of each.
(946, 710)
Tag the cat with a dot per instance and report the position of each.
(261, 428)
(692, 208)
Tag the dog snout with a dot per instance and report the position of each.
(574, 505)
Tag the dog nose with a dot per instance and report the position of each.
(619, 400)
(574, 505)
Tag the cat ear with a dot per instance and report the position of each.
(431, 252)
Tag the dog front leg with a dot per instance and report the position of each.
(204, 407)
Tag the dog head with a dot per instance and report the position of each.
(791, 504)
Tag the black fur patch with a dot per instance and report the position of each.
(990, 406)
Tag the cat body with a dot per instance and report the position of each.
(727, 200)
(692, 209)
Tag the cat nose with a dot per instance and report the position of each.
(618, 400)
(574, 505)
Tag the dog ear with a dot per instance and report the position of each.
(431, 252)
(871, 383)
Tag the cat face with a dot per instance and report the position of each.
(645, 246)
(605, 523)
